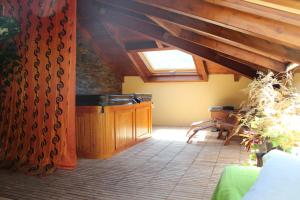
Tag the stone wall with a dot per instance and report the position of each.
(93, 77)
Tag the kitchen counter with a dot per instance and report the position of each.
(103, 130)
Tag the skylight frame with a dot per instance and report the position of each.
(170, 71)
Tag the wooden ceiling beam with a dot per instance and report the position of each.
(201, 67)
(249, 58)
(170, 27)
(159, 44)
(138, 63)
(233, 51)
(236, 77)
(136, 45)
(177, 29)
(253, 7)
(157, 33)
(284, 5)
(201, 25)
(142, 46)
(275, 29)
(222, 47)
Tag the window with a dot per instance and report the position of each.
(168, 61)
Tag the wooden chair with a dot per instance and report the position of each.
(227, 127)
(197, 126)
(224, 122)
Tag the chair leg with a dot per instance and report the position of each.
(197, 125)
(196, 131)
(191, 136)
(188, 132)
(228, 138)
(220, 134)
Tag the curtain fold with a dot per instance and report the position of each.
(37, 132)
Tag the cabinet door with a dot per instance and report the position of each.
(124, 128)
(90, 127)
(143, 122)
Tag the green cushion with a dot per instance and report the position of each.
(235, 182)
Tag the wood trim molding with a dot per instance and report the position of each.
(177, 78)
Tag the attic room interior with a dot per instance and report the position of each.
(150, 99)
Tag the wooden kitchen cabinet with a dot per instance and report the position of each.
(124, 127)
(104, 131)
(143, 120)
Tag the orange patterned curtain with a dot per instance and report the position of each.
(37, 132)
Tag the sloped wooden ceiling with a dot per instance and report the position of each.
(224, 36)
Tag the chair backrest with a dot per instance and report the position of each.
(224, 115)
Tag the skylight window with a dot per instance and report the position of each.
(169, 60)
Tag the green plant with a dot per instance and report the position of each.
(9, 59)
(271, 112)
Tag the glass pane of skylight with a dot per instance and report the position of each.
(170, 60)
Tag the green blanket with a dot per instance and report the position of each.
(235, 182)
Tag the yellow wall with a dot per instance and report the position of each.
(179, 104)
(297, 81)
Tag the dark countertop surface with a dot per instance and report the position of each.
(111, 99)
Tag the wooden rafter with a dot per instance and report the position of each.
(170, 27)
(138, 63)
(275, 28)
(136, 45)
(222, 47)
(257, 10)
(156, 32)
(236, 77)
(201, 67)
(284, 5)
(159, 44)
(197, 24)
(178, 30)
(145, 45)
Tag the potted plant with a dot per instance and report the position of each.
(270, 115)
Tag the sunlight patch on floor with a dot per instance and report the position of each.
(177, 134)
(200, 136)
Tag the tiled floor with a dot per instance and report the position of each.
(163, 167)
